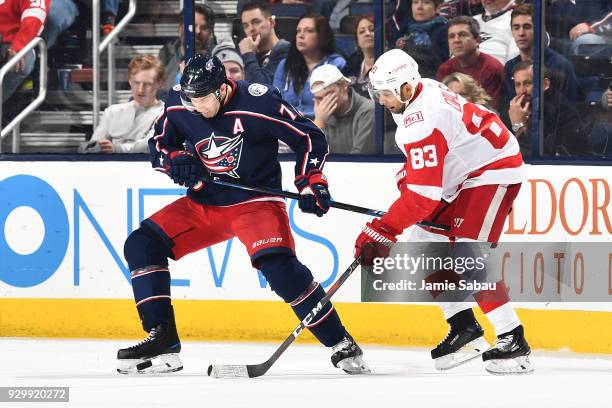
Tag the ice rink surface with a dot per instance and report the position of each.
(303, 377)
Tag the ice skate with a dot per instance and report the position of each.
(156, 354)
(510, 354)
(463, 342)
(348, 356)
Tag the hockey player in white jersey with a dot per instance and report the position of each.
(463, 168)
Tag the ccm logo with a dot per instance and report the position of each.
(267, 241)
(413, 118)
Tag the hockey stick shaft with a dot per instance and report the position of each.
(334, 204)
(256, 370)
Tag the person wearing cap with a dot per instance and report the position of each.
(231, 59)
(346, 117)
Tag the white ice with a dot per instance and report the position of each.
(303, 377)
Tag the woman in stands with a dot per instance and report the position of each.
(467, 87)
(362, 60)
(312, 46)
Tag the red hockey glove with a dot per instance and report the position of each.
(184, 169)
(314, 195)
(375, 232)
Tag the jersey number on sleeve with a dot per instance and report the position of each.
(423, 157)
(487, 124)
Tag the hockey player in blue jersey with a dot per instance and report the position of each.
(213, 126)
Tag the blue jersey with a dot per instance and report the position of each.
(240, 143)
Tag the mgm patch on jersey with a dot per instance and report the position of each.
(257, 89)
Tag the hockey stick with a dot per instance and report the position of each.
(334, 204)
(256, 370)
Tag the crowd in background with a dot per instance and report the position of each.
(481, 49)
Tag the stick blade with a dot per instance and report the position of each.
(228, 371)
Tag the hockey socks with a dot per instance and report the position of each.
(326, 325)
(293, 282)
(151, 286)
(495, 305)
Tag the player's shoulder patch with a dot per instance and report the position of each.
(257, 89)
(413, 118)
(176, 87)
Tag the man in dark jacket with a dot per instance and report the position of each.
(261, 49)
(565, 134)
(173, 53)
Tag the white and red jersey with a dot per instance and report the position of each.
(22, 20)
(450, 144)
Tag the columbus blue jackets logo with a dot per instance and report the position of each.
(221, 154)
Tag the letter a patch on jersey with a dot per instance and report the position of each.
(413, 118)
(238, 128)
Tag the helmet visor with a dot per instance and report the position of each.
(377, 94)
(204, 101)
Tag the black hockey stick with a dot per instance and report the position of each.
(334, 204)
(256, 370)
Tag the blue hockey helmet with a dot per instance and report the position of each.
(202, 76)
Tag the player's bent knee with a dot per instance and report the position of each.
(287, 276)
(143, 247)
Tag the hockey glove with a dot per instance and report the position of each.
(314, 195)
(185, 169)
(375, 241)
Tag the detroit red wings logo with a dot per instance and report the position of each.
(221, 154)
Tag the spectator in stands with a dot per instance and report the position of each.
(173, 53)
(562, 71)
(565, 134)
(261, 49)
(62, 14)
(124, 127)
(313, 46)
(426, 31)
(361, 61)
(346, 117)
(463, 40)
(467, 87)
(495, 33)
(20, 22)
(231, 59)
(606, 98)
(585, 22)
(594, 38)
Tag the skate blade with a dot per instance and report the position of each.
(354, 366)
(227, 371)
(517, 365)
(466, 353)
(165, 363)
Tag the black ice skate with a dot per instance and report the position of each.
(348, 356)
(510, 354)
(463, 342)
(156, 354)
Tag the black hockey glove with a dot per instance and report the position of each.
(185, 169)
(314, 195)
